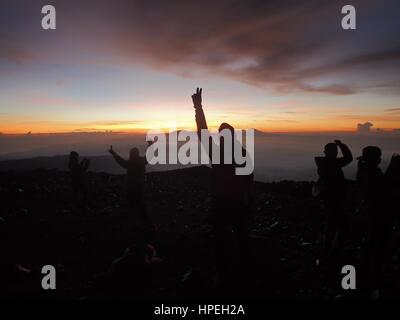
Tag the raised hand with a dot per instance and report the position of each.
(395, 159)
(86, 162)
(197, 98)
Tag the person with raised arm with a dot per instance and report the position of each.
(78, 177)
(135, 180)
(332, 186)
(231, 195)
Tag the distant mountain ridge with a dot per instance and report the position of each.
(104, 163)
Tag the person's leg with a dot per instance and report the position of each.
(335, 227)
(340, 226)
(220, 254)
(329, 232)
(75, 194)
(378, 242)
(242, 259)
(84, 191)
(369, 262)
(144, 214)
(141, 207)
(138, 206)
(240, 226)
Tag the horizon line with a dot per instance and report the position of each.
(139, 132)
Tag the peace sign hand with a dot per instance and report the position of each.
(197, 98)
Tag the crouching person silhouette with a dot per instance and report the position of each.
(331, 187)
(231, 199)
(78, 177)
(135, 181)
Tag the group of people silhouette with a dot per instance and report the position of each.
(377, 196)
(232, 199)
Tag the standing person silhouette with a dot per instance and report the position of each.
(332, 191)
(376, 188)
(135, 180)
(78, 177)
(231, 197)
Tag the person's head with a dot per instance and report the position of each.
(134, 153)
(73, 156)
(371, 156)
(225, 125)
(331, 150)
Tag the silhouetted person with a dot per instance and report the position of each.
(78, 177)
(135, 180)
(375, 187)
(332, 191)
(393, 179)
(232, 194)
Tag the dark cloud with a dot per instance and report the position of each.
(13, 50)
(364, 127)
(395, 110)
(286, 45)
(293, 112)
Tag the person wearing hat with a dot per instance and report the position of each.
(375, 187)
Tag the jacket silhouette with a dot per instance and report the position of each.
(332, 191)
(330, 170)
(135, 180)
(376, 192)
(78, 177)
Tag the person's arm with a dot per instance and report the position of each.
(149, 143)
(200, 117)
(122, 162)
(347, 155)
(85, 164)
(199, 113)
(392, 174)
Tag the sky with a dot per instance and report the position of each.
(280, 66)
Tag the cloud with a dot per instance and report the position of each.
(115, 123)
(364, 127)
(282, 45)
(293, 112)
(280, 120)
(285, 45)
(13, 50)
(367, 118)
(394, 110)
(46, 100)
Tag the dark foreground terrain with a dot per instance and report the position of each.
(40, 226)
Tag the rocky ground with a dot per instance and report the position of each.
(40, 226)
